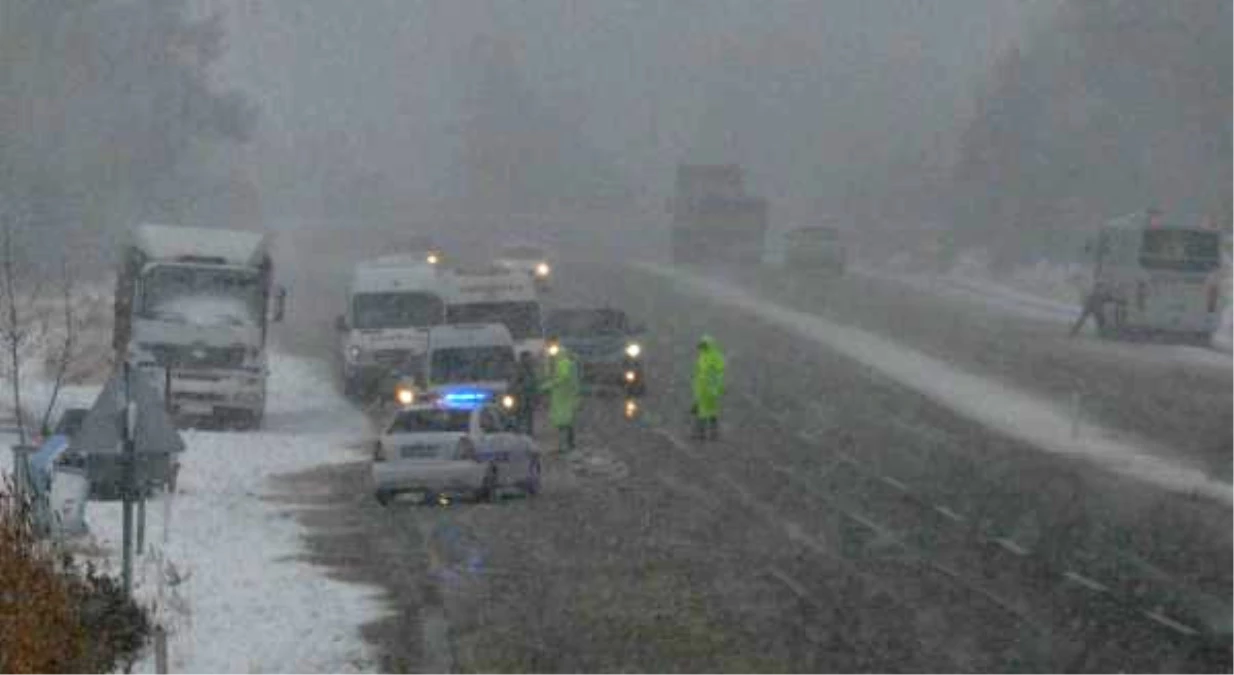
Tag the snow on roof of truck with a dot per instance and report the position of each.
(170, 242)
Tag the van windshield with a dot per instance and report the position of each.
(471, 364)
(522, 319)
(396, 310)
(1181, 250)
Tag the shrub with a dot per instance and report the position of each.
(56, 616)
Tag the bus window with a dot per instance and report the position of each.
(1180, 250)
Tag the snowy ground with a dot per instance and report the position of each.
(237, 596)
(994, 404)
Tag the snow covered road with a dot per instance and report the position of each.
(241, 596)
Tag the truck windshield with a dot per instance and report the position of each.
(202, 295)
(397, 310)
(522, 319)
(1181, 250)
(471, 364)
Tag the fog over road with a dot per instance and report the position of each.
(843, 522)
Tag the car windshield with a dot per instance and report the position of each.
(573, 323)
(1181, 250)
(522, 319)
(471, 364)
(202, 295)
(430, 421)
(396, 310)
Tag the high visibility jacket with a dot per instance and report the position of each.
(564, 389)
(708, 381)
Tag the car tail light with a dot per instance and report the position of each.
(1214, 296)
(1141, 295)
(466, 449)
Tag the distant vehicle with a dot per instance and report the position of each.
(392, 303)
(448, 447)
(465, 363)
(815, 248)
(608, 346)
(423, 247)
(199, 302)
(528, 259)
(1157, 277)
(714, 220)
(496, 295)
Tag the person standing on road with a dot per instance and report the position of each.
(708, 386)
(563, 387)
(526, 389)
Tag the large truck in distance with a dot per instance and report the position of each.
(193, 307)
(714, 220)
(392, 303)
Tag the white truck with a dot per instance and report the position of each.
(497, 295)
(391, 304)
(194, 306)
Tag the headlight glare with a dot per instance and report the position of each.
(543, 270)
(507, 402)
(405, 396)
(633, 350)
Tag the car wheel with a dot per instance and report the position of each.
(532, 484)
(384, 497)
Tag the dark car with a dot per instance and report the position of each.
(608, 346)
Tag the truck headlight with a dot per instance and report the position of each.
(507, 402)
(543, 270)
(633, 350)
(405, 395)
(354, 353)
(631, 376)
(433, 259)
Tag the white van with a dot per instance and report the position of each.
(392, 303)
(1155, 277)
(470, 363)
(495, 295)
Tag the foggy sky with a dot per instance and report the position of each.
(815, 98)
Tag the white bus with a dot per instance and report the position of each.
(495, 295)
(391, 304)
(1156, 277)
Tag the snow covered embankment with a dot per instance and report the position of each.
(995, 405)
(236, 599)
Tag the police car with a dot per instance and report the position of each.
(457, 443)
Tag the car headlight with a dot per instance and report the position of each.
(405, 395)
(543, 270)
(554, 349)
(631, 376)
(633, 350)
(433, 258)
(354, 353)
(631, 409)
(507, 402)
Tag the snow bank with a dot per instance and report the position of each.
(998, 406)
(237, 600)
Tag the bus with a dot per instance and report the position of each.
(1154, 276)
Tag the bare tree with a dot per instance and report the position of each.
(14, 329)
(64, 357)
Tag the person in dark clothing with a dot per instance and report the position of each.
(526, 387)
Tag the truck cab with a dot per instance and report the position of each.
(392, 302)
(195, 305)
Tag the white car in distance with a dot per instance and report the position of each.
(460, 444)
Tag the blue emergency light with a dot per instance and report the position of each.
(466, 399)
